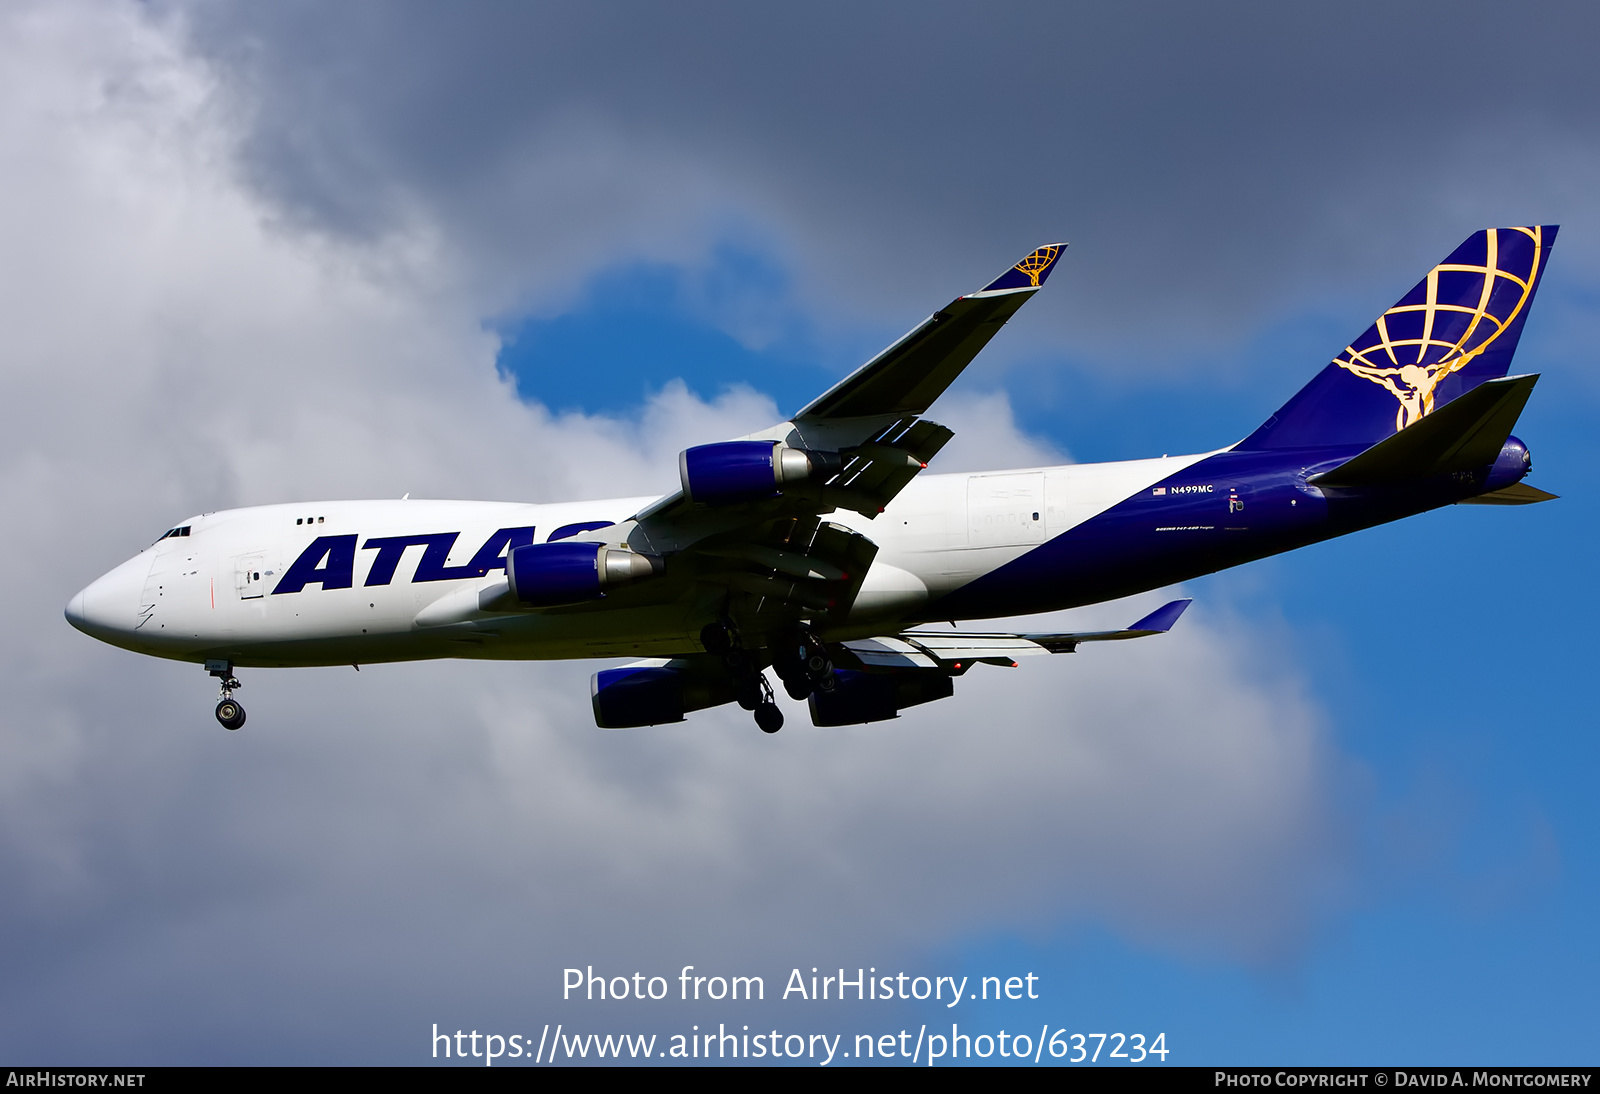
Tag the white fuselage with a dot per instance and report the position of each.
(216, 592)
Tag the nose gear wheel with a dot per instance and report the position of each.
(230, 712)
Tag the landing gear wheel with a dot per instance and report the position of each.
(798, 689)
(749, 695)
(230, 714)
(769, 717)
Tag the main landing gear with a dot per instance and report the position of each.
(802, 663)
(229, 710)
(752, 690)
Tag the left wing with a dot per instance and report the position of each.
(953, 650)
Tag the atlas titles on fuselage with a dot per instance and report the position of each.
(330, 561)
(820, 548)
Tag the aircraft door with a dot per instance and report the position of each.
(1006, 510)
(250, 576)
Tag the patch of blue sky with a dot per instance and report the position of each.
(1412, 983)
(725, 323)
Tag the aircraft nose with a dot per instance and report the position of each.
(109, 605)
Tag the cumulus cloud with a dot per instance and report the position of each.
(374, 848)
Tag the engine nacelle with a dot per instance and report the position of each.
(646, 695)
(544, 575)
(738, 471)
(859, 697)
(629, 697)
(1510, 467)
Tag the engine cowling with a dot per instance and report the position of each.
(629, 697)
(860, 697)
(545, 575)
(1510, 467)
(652, 695)
(741, 471)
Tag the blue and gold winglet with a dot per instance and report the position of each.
(1030, 273)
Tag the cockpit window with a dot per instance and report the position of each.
(171, 532)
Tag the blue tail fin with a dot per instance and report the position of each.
(1456, 329)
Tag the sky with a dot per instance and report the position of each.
(250, 254)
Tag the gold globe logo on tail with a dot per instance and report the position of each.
(1411, 367)
(1037, 263)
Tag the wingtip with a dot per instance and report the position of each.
(1162, 619)
(1030, 273)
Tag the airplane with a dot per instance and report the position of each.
(818, 549)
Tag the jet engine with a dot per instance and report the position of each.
(859, 697)
(650, 695)
(738, 471)
(548, 574)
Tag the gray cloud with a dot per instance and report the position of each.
(1212, 165)
(375, 850)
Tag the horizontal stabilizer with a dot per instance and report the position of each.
(1465, 434)
(939, 649)
(1518, 493)
(908, 376)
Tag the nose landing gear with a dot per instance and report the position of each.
(229, 711)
